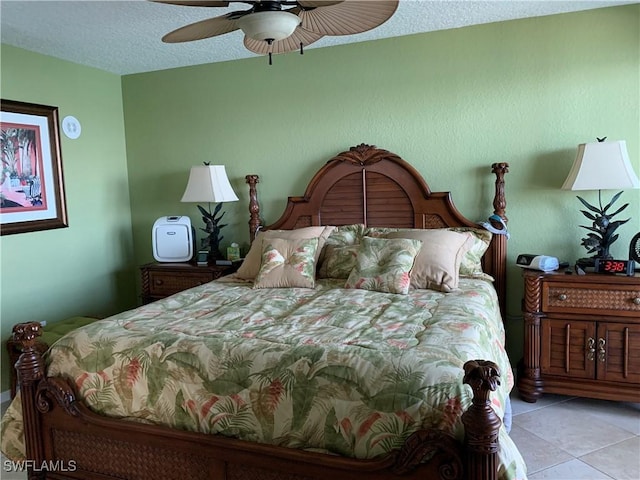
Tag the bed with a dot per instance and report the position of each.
(287, 369)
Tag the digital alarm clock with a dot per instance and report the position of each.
(614, 266)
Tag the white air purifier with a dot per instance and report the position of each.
(173, 239)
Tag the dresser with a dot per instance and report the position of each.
(159, 280)
(581, 336)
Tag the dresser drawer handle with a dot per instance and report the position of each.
(602, 353)
(636, 301)
(158, 282)
(591, 349)
(562, 297)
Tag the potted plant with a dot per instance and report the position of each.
(212, 228)
(602, 230)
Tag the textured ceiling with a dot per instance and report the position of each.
(124, 37)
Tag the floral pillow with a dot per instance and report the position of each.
(471, 265)
(287, 263)
(251, 264)
(380, 231)
(384, 264)
(339, 254)
(478, 243)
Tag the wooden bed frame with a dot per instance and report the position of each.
(363, 185)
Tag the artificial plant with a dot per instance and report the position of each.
(212, 228)
(603, 227)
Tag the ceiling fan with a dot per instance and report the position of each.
(270, 28)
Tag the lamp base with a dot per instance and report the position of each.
(214, 254)
(588, 262)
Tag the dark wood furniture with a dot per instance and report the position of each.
(379, 189)
(364, 184)
(582, 336)
(49, 336)
(159, 280)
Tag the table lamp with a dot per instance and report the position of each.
(601, 166)
(209, 183)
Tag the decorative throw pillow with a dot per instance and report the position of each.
(471, 265)
(340, 251)
(384, 264)
(438, 263)
(338, 261)
(287, 263)
(252, 261)
(379, 231)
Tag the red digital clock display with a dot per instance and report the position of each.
(614, 266)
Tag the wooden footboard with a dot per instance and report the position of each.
(65, 440)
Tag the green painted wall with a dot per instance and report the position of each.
(87, 268)
(452, 102)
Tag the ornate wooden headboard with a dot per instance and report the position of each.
(375, 187)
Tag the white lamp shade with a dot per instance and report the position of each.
(602, 166)
(209, 183)
(269, 25)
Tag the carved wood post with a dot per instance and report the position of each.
(481, 424)
(254, 206)
(30, 368)
(499, 200)
(529, 381)
(499, 259)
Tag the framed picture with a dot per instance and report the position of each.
(31, 185)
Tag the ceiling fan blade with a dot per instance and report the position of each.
(318, 3)
(289, 44)
(348, 17)
(194, 3)
(211, 27)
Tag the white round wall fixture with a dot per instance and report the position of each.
(71, 127)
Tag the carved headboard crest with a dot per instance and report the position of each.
(364, 154)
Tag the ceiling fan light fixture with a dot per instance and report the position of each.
(269, 25)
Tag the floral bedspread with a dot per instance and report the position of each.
(352, 372)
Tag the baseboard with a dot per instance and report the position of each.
(5, 396)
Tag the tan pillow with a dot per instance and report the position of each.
(438, 262)
(287, 263)
(251, 263)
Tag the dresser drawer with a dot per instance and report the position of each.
(604, 300)
(168, 283)
(159, 280)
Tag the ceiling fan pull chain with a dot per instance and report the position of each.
(301, 49)
(270, 43)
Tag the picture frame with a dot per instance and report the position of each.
(32, 194)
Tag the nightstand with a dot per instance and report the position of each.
(582, 336)
(159, 280)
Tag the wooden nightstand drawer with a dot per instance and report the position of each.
(159, 280)
(601, 299)
(167, 283)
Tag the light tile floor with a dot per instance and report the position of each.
(561, 438)
(569, 438)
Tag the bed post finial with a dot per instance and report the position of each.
(254, 206)
(30, 367)
(481, 424)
